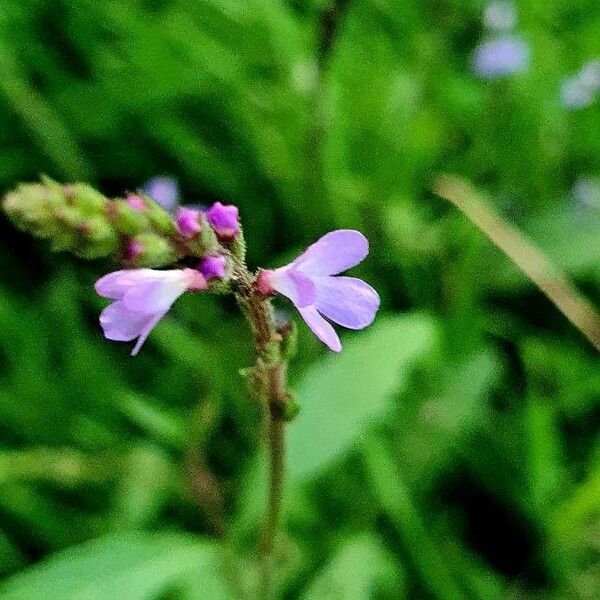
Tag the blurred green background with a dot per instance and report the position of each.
(450, 451)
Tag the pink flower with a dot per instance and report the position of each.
(224, 220)
(141, 298)
(310, 282)
(188, 222)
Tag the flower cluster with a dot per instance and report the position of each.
(143, 296)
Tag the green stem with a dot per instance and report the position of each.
(268, 384)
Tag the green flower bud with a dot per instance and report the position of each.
(96, 238)
(125, 219)
(160, 219)
(150, 250)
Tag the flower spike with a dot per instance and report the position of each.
(312, 284)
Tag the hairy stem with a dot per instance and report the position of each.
(268, 384)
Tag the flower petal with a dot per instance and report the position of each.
(158, 293)
(295, 285)
(114, 285)
(321, 328)
(145, 332)
(121, 324)
(347, 301)
(333, 253)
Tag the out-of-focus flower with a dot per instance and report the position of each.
(188, 222)
(501, 57)
(500, 15)
(141, 298)
(312, 284)
(586, 192)
(212, 267)
(224, 220)
(163, 190)
(580, 90)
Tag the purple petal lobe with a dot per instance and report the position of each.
(347, 301)
(295, 285)
(321, 328)
(333, 253)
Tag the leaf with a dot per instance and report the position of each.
(359, 568)
(398, 503)
(341, 395)
(136, 566)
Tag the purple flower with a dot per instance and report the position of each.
(141, 298)
(224, 220)
(163, 190)
(310, 283)
(501, 57)
(188, 222)
(212, 267)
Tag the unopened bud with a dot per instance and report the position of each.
(96, 238)
(151, 250)
(126, 219)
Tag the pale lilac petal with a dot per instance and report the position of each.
(333, 253)
(121, 324)
(156, 294)
(295, 285)
(114, 285)
(321, 328)
(347, 301)
(145, 332)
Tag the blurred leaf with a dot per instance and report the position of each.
(343, 394)
(359, 568)
(396, 501)
(136, 566)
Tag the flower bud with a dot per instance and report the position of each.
(136, 202)
(213, 267)
(127, 219)
(96, 238)
(224, 221)
(161, 220)
(188, 222)
(149, 250)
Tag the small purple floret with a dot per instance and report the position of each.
(141, 298)
(501, 57)
(313, 285)
(164, 191)
(224, 220)
(212, 267)
(188, 222)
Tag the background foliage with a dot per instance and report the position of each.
(450, 451)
